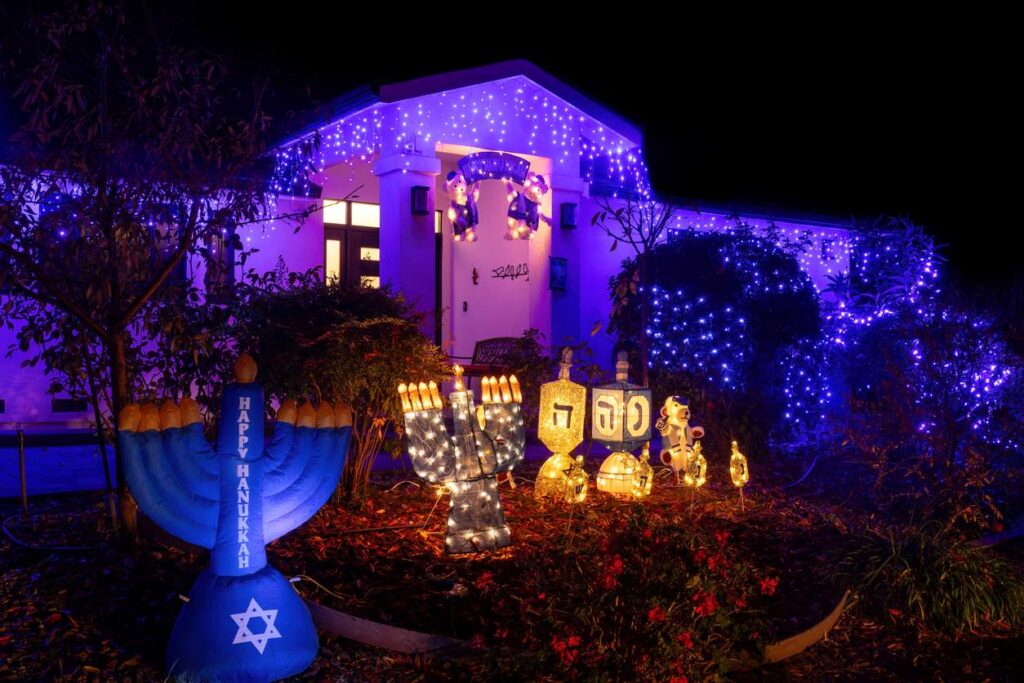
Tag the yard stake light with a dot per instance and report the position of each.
(738, 470)
(563, 405)
(696, 471)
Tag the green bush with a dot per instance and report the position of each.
(933, 577)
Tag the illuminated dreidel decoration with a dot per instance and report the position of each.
(484, 442)
(738, 470)
(243, 621)
(621, 420)
(563, 404)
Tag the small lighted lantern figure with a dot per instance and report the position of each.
(738, 470)
(485, 441)
(696, 468)
(696, 473)
(621, 420)
(560, 428)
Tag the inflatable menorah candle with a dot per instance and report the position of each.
(243, 621)
(484, 441)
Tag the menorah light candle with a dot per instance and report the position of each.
(563, 404)
(484, 441)
(243, 621)
(621, 420)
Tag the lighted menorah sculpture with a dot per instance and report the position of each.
(560, 428)
(243, 621)
(484, 441)
(738, 471)
(621, 420)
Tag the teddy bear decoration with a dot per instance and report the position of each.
(677, 435)
(462, 209)
(524, 214)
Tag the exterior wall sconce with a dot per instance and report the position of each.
(419, 200)
(567, 217)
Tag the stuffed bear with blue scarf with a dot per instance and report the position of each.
(243, 621)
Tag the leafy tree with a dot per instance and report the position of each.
(338, 342)
(734, 321)
(134, 153)
(640, 222)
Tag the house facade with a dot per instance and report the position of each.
(382, 171)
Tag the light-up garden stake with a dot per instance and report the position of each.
(696, 471)
(484, 441)
(563, 405)
(738, 470)
(621, 420)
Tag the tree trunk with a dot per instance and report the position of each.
(101, 435)
(644, 374)
(121, 394)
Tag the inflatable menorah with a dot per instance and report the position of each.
(484, 442)
(242, 621)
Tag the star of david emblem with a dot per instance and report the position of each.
(258, 640)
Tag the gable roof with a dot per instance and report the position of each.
(362, 98)
(429, 85)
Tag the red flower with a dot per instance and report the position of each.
(768, 585)
(700, 556)
(707, 604)
(741, 603)
(614, 567)
(686, 638)
(679, 679)
(485, 581)
(647, 534)
(722, 537)
(656, 614)
(567, 650)
(477, 642)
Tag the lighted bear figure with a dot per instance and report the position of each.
(462, 210)
(676, 432)
(524, 214)
(243, 621)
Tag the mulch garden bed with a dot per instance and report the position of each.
(664, 590)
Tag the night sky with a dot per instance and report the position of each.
(848, 116)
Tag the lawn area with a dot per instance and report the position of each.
(661, 590)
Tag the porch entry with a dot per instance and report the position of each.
(352, 248)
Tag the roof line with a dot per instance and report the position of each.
(429, 85)
(762, 213)
(312, 120)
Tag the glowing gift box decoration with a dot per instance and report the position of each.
(484, 441)
(621, 420)
(243, 621)
(563, 405)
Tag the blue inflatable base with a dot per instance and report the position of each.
(249, 629)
